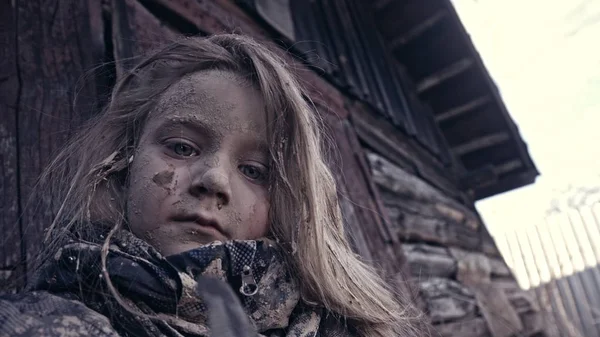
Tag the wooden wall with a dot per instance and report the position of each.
(46, 49)
(467, 288)
(403, 213)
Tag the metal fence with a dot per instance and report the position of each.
(558, 260)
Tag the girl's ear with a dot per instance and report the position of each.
(114, 169)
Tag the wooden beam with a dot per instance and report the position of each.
(444, 74)
(508, 166)
(481, 143)
(462, 109)
(507, 183)
(418, 30)
(482, 176)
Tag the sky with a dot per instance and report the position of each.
(544, 56)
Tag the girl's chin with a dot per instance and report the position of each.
(172, 240)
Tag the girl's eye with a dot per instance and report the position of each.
(253, 172)
(183, 149)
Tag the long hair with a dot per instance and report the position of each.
(305, 215)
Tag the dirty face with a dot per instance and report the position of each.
(200, 172)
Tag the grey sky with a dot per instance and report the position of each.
(545, 58)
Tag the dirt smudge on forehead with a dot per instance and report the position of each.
(163, 178)
(193, 97)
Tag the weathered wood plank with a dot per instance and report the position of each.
(349, 174)
(136, 32)
(360, 159)
(444, 74)
(462, 109)
(474, 327)
(56, 48)
(368, 229)
(10, 244)
(397, 180)
(427, 261)
(480, 143)
(495, 267)
(447, 300)
(420, 211)
(402, 150)
(415, 227)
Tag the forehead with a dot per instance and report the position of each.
(219, 99)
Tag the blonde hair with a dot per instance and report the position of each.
(305, 215)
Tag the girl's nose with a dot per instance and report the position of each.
(212, 182)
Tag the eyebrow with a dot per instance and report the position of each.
(198, 126)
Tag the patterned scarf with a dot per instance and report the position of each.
(167, 287)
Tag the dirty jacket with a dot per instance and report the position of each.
(188, 294)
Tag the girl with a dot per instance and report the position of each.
(206, 162)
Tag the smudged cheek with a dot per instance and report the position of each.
(150, 190)
(256, 216)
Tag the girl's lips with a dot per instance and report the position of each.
(202, 232)
(201, 221)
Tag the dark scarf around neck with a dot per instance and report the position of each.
(166, 286)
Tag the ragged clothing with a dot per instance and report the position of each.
(69, 295)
